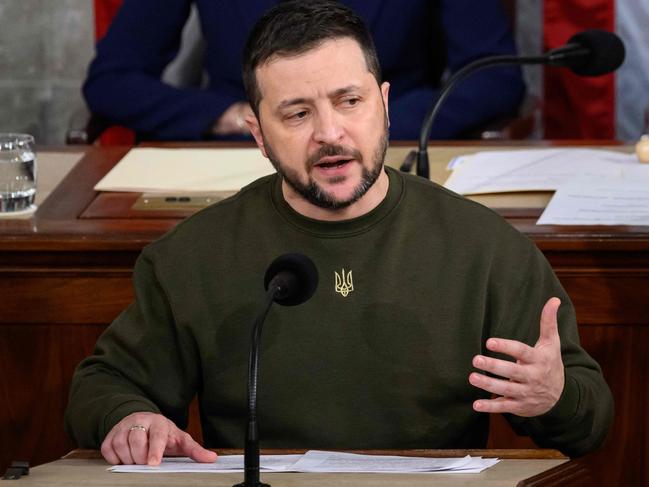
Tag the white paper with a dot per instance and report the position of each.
(601, 201)
(154, 170)
(223, 464)
(532, 170)
(339, 462)
(319, 461)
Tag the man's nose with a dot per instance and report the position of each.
(328, 128)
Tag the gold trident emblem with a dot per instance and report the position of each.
(344, 283)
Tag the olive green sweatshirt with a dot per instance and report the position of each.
(378, 358)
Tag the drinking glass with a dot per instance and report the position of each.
(17, 172)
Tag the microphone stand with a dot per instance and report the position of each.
(290, 280)
(556, 57)
(251, 447)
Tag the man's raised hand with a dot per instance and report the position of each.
(533, 384)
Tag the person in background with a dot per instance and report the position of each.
(418, 42)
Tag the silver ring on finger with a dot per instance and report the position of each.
(137, 427)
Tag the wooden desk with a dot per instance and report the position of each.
(84, 468)
(66, 274)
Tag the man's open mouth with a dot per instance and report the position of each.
(333, 162)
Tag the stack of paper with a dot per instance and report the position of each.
(533, 170)
(223, 464)
(593, 187)
(326, 461)
(320, 461)
(601, 201)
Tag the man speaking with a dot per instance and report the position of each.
(431, 310)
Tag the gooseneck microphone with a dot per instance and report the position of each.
(588, 53)
(291, 279)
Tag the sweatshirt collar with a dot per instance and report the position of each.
(340, 228)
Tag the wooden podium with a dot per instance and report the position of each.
(521, 468)
(65, 274)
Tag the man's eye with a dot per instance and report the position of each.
(351, 101)
(298, 115)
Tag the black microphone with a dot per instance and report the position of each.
(291, 279)
(588, 53)
(294, 278)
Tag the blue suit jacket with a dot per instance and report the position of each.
(416, 41)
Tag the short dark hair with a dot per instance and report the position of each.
(296, 26)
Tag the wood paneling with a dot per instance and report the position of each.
(37, 362)
(48, 298)
(605, 297)
(623, 352)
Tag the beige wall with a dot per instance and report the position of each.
(45, 48)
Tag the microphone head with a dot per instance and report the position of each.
(297, 278)
(606, 52)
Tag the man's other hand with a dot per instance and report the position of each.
(143, 438)
(233, 120)
(532, 384)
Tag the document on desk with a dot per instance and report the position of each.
(182, 170)
(223, 464)
(601, 201)
(339, 462)
(319, 461)
(532, 170)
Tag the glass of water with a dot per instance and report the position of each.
(17, 172)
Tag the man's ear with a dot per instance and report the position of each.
(385, 91)
(255, 129)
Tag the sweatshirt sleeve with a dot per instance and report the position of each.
(124, 79)
(142, 362)
(522, 282)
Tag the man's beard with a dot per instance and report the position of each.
(313, 193)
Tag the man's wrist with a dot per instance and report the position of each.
(139, 405)
(565, 408)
